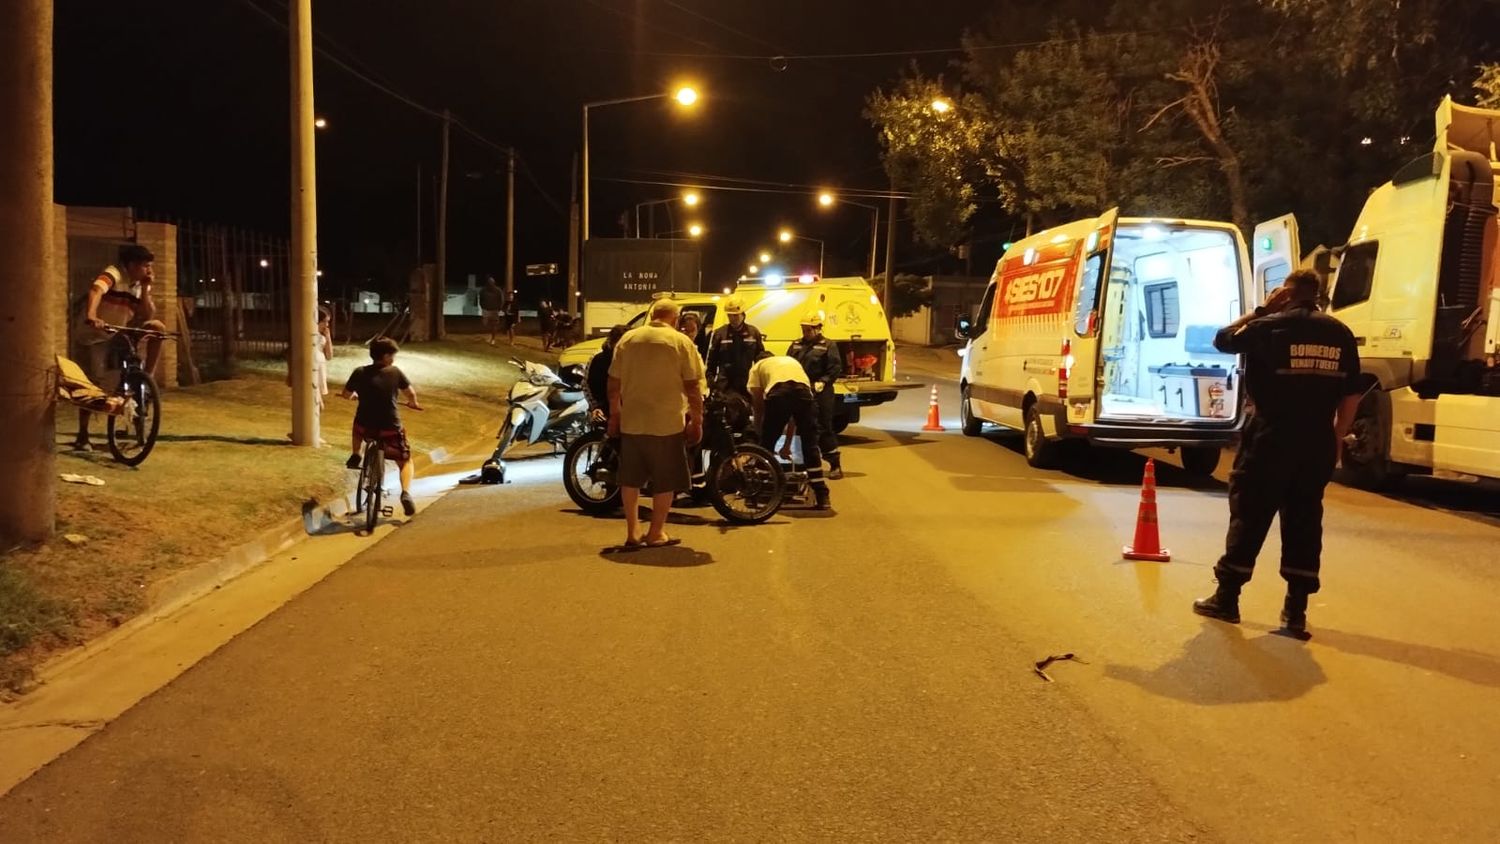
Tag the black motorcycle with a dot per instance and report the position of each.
(743, 481)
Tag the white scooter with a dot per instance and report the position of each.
(542, 406)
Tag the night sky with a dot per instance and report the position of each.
(180, 107)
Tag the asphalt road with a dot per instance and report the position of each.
(488, 673)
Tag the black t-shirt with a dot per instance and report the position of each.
(377, 387)
(1299, 364)
(491, 299)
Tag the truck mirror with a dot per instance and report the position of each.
(961, 327)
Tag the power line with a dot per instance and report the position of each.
(397, 95)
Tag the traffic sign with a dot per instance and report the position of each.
(541, 269)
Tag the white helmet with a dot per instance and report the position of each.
(734, 305)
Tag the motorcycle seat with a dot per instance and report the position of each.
(564, 398)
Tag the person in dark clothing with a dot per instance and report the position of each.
(1303, 378)
(377, 417)
(733, 349)
(780, 392)
(492, 306)
(596, 378)
(820, 357)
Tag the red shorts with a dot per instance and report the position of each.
(392, 441)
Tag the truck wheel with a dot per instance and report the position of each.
(1040, 452)
(1367, 462)
(1201, 460)
(840, 422)
(972, 425)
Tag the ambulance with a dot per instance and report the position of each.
(1418, 282)
(852, 317)
(1101, 331)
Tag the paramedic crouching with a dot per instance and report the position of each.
(1303, 378)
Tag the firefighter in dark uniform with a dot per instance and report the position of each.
(780, 392)
(1303, 379)
(733, 349)
(820, 357)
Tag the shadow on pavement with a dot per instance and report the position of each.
(1471, 666)
(1476, 502)
(1220, 666)
(1111, 466)
(220, 438)
(671, 557)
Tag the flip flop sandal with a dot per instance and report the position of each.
(665, 543)
(633, 545)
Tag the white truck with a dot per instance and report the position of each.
(1419, 285)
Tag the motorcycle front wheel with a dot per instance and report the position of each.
(588, 474)
(747, 486)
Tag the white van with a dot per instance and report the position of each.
(1419, 285)
(1102, 331)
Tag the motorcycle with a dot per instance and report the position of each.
(542, 406)
(744, 482)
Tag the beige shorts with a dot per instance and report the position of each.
(660, 461)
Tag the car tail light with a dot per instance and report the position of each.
(1064, 368)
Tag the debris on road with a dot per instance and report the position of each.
(1040, 666)
(91, 480)
(76, 539)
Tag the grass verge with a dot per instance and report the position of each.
(223, 472)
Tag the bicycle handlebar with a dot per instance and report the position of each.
(143, 332)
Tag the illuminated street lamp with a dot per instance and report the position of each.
(765, 257)
(786, 236)
(752, 269)
(690, 198)
(320, 123)
(695, 230)
(685, 96)
(827, 199)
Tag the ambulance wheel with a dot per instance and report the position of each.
(1201, 460)
(1041, 453)
(972, 425)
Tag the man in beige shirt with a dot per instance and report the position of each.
(656, 408)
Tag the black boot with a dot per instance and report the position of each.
(835, 471)
(820, 495)
(1223, 604)
(1294, 613)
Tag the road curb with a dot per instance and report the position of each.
(185, 587)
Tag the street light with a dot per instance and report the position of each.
(695, 230)
(752, 269)
(689, 198)
(786, 236)
(685, 96)
(320, 123)
(765, 257)
(827, 199)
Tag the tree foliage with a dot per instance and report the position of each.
(1231, 109)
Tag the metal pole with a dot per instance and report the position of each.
(438, 291)
(890, 252)
(510, 224)
(820, 259)
(304, 272)
(27, 307)
(574, 252)
(419, 215)
(585, 221)
(874, 237)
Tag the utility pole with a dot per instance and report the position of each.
(419, 215)
(30, 285)
(575, 258)
(874, 237)
(890, 252)
(510, 224)
(439, 290)
(304, 267)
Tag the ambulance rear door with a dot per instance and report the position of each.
(1275, 252)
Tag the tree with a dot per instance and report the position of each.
(1488, 86)
(909, 294)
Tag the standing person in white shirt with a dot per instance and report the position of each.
(780, 391)
(656, 408)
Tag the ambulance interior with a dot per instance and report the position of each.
(1168, 293)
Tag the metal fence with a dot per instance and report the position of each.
(233, 285)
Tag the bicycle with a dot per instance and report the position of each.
(133, 409)
(371, 488)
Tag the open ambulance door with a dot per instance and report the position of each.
(1092, 320)
(1275, 252)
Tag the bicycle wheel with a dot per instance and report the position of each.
(374, 484)
(748, 486)
(132, 434)
(588, 474)
(359, 488)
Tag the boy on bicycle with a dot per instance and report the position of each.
(377, 418)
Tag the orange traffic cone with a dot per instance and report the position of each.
(1147, 545)
(933, 422)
